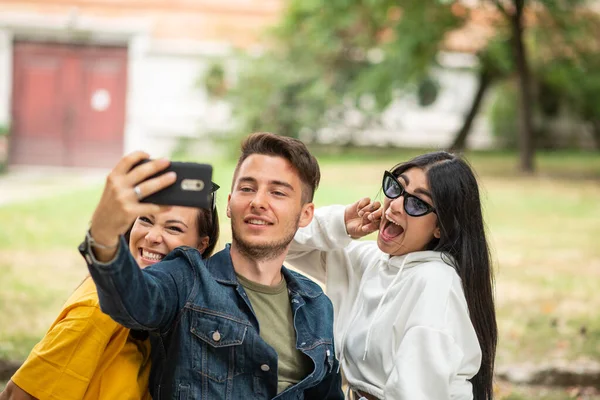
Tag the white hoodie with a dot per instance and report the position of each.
(402, 327)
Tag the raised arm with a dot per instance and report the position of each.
(120, 201)
(138, 300)
(332, 228)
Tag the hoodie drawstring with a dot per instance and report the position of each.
(368, 339)
(354, 313)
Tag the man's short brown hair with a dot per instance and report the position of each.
(293, 150)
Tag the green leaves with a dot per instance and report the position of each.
(325, 53)
(324, 56)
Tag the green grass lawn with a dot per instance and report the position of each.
(544, 231)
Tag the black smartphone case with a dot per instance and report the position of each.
(192, 188)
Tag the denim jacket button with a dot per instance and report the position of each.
(216, 336)
(265, 367)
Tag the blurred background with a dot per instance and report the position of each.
(514, 85)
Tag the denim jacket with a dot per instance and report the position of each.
(205, 335)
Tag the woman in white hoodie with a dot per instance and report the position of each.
(414, 311)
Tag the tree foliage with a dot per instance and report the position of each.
(325, 58)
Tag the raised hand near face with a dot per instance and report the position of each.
(120, 202)
(362, 217)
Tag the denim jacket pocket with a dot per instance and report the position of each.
(221, 337)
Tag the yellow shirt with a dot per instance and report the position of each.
(86, 355)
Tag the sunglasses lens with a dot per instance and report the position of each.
(391, 188)
(415, 207)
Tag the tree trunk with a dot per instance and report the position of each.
(460, 140)
(526, 142)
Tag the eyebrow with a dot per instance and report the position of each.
(275, 182)
(176, 221)
(417, 190)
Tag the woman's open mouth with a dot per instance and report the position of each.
(390, 230)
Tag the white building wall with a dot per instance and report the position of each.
(168, 102)
(5, 76)
(165, 101)
(405, 123)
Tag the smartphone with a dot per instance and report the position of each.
(193, 187)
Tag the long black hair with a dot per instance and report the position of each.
(455, 196)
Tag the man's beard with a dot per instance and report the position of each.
(263, 251)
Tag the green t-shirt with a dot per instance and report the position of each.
(272, 307)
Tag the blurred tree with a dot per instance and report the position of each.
(495, 63)
(567, 60)
(557, 14)
(326, 59)
(563, 42)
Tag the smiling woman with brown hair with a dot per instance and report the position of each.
(87, 355)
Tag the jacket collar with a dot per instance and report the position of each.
(221, 268)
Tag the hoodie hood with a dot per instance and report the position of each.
(413, 259)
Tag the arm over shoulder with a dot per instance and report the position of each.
(326, 232)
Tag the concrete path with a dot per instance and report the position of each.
(26, 183)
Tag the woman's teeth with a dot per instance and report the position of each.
(392, 221)
(152, 256)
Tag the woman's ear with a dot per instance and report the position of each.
(203, 244)
(437, 233)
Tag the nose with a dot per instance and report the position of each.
(259, 200)
(154, 235)
(397, 204)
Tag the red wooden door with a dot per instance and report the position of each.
(68, 104)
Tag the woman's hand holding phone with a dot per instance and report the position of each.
(120, 203)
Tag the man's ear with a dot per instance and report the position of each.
(228, 208)
(306, 215)
(203, 244)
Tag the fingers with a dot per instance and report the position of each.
(362, 203)
(125, 164)
(146, 170)
(376, 215)
(370, 227)
(153, 185)
(367, 206)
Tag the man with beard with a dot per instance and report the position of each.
(238, 325)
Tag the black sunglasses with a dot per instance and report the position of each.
(414, 206)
